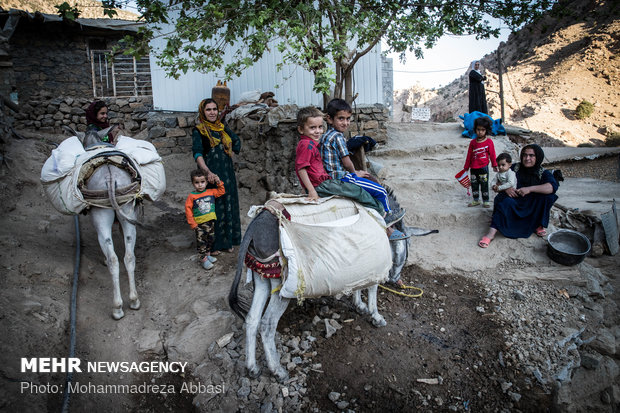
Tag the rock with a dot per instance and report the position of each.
(586, 386)
(506, 386)
(514, 396)
(266, 407)
(329, 329)
(170, 122)
(342, 405)
(428, 381)
(244, 391)
(604, 343)
(590, 360)
(149, 342)
(286, 358)
(335, 324)
(333, 396)
(191, 343)
(156, 132)
(284, 391)
(175, 133)
(225, 339)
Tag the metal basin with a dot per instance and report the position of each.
(568, 247)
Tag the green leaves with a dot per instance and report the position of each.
(325, 37)
(67, 12)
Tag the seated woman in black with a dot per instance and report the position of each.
(520, 212)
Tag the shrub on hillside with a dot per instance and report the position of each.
(613, 139)
(584, 110)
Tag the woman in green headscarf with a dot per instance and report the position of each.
(213, 144)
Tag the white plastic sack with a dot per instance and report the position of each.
(333, 257)
(62, 159)
(251, 96)
(61, 171)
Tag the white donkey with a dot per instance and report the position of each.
(261, 240)
(108, 178)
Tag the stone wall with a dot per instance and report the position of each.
(50, 57)
(45, 113)
(267, 156)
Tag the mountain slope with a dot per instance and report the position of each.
(89, 9)
(551, 65)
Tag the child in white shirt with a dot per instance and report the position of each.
(506, 177)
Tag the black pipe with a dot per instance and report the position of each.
(73, 311)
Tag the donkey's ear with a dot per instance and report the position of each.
(71, 132)
(104, 132)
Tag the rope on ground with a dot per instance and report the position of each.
(405, 287)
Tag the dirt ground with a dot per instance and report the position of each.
(437, 336)
(442, 335)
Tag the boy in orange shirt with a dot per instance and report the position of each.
(200, 214)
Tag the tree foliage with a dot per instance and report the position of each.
(326, 37)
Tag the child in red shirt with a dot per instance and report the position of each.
(481, 151)
(312, 174)
(200, 214)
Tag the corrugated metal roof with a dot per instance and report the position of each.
(107, 24)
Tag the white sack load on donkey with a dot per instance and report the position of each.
(70, 166)
(110, 180)
(333, 247)
(316, 249)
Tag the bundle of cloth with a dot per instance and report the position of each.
(67, 169)
(468, 124)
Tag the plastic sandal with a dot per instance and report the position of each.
(398, 236)
(541, 232)
(484, 242)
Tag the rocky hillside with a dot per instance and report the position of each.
(550, 66)
(90, 9)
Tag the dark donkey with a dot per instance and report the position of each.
(262, 240)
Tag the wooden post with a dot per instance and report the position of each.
(501, 84)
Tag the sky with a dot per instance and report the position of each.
(446, 61)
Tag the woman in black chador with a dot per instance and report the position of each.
(477, 98)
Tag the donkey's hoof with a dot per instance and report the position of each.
(379, 321)
(281, 375)
(362, 309)
(135, 304)
(254, 372)
(118, 313)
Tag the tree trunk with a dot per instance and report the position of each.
(339, 80)
(348, 85)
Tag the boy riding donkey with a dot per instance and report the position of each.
(339, 166)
